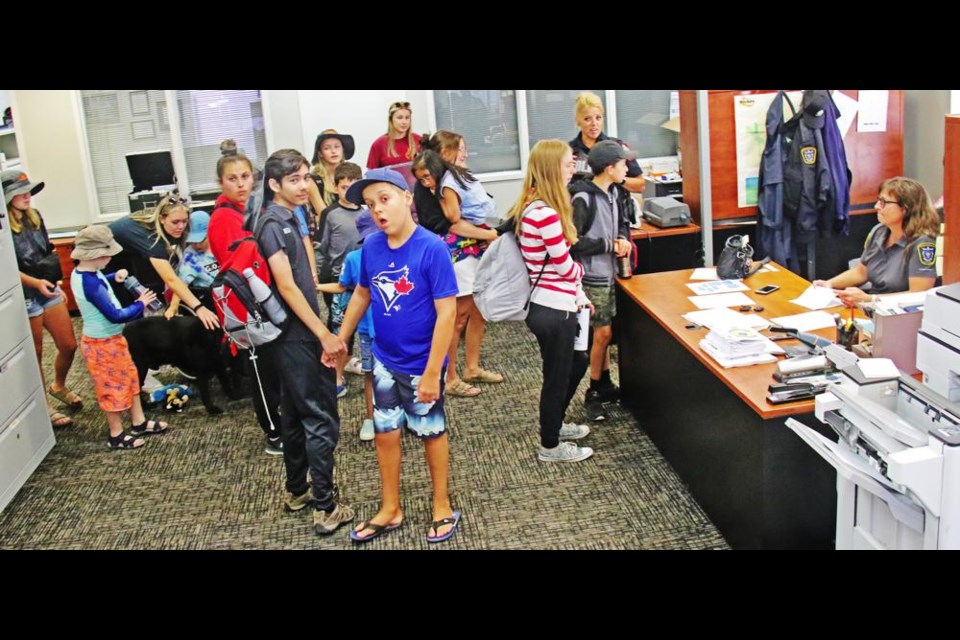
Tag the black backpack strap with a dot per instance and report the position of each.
(543, 268)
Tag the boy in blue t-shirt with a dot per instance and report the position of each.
(407, 278)
(349, 279)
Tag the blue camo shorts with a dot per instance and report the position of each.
(395, 404)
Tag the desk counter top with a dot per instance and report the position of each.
(664, 297)
(648, 230)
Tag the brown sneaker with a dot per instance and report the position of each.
(326, 523)
(296, 503)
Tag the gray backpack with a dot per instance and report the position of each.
(502, 288)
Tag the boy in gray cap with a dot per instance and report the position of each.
(604, 233)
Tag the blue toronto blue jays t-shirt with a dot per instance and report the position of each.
(403, 284)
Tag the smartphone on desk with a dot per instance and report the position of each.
(770, 288)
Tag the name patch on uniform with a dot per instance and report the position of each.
(927, 252)
(809, 155)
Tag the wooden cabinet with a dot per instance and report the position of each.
(951, 201)
(26, 435)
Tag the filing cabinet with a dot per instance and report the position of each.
(26, 436)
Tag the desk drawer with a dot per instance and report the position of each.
(19, 377)
(14, 326)
(24, 441)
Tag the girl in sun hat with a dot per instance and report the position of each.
(39, 268)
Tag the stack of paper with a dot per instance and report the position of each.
(738, 346)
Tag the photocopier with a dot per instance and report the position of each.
(898, 453)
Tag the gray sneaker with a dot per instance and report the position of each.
(296, 503)
(572, 431)
(564, 452)
(273, 447)
(326, 523)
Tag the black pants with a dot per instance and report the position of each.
(309, 422)
(269, 380)
(562, 366)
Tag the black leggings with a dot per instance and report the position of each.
(562, 366)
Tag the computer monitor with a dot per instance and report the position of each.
(150, 169)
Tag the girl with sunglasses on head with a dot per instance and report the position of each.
(153, 240)
(400, 144)
(900, 252)
(442, 176)
(39, 267)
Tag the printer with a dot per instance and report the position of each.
(898, 453)
(152, 175)
(666, 212)
(938, 341)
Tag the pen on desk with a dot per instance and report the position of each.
(837, 320)
(850, 321)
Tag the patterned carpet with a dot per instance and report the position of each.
(207, 484)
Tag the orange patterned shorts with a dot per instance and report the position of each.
(114, 375)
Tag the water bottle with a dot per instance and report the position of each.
(136, 289)
(264, 296)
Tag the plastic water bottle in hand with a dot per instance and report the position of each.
(264, 296)
(136, 289)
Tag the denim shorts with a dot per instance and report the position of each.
(366, 352)
(36, 304)
(395, 404)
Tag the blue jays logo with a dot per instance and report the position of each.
(927, 252)
(392, 284)
(809, 155)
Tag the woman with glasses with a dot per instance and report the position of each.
(900, 252)
(153, 239)
(400, 144)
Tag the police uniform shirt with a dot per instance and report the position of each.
(889, 269)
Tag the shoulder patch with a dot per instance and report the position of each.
(927, 253)
(809, 155)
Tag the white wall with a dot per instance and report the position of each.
(923, 129)
(955, 102)
(4, 99)
(52, 151)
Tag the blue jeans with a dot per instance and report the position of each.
(309, 422)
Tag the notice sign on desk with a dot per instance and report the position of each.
(717, 286)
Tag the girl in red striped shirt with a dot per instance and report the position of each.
(544, 225)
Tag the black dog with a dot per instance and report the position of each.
(183, 342)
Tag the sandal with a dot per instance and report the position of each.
(377, 529)
(58, 419)
(67, 397)
(124, 441)
(462, 389)
(149, 427)
(483, 375)
(453, 520)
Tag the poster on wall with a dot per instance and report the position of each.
(749, 118)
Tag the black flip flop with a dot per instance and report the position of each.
(378, 530)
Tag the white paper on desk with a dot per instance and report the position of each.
(721, 300)
(723, 317)
(817, 298)
(768, 267)
(705, 273)
(878, 368)
(727, 362)
(717, 286)
(806, 321)
(872, 115)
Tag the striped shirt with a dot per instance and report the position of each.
(542, 234)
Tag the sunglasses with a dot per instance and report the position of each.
(400, 105)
